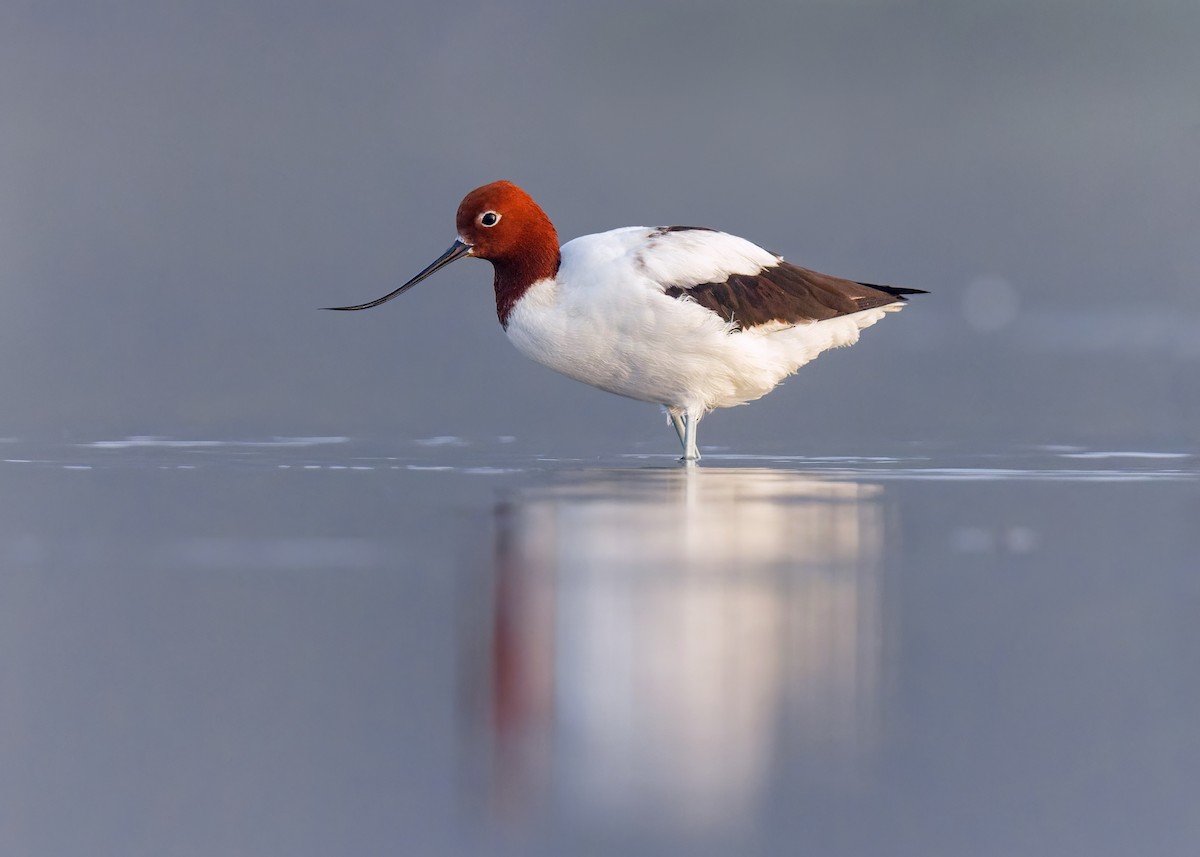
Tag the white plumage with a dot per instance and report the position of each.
(606, 320)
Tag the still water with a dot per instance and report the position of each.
(314, 646)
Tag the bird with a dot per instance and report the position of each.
(685, 317)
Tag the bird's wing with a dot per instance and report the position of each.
(748, 286)
(745, 285)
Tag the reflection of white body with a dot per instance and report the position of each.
(687, 631)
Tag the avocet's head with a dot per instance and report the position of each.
(501, 223)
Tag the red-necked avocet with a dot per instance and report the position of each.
(682, 316)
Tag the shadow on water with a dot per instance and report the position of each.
(654, 638)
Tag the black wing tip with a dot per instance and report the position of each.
(895, 291)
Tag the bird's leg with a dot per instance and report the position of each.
(677, 422)
(691, 452)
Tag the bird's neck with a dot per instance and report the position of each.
(514, 275)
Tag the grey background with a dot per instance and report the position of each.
(222, 642)
(182, 185)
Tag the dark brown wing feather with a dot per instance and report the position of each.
(787, 293)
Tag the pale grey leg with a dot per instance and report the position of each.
(678, 423)
(691, 452)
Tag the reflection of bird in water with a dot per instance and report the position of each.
(682, 316)
(656, 640)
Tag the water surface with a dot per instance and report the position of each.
(330, 645)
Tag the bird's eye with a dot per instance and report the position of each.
(489, 218)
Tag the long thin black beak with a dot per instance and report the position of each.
(457, 250)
